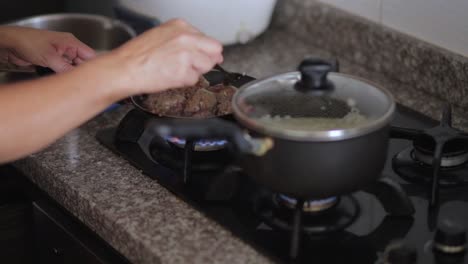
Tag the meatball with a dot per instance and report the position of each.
(203, 114)
(224, 96)
(216, 88)
(172, 102)
(202, 83)
(225, 93)
(224, 108)
(191, 90)
(202, 101)
(168, 102)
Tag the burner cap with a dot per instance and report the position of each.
(407, 166)
(426, 144)
(455, 152)
(342, 213)
(446, 161)
(310, 206)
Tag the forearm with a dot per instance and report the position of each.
(6, 44)
(36, 113)
(6, 37)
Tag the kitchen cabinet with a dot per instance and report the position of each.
(34, 229)
(59, 239)
(15, 233)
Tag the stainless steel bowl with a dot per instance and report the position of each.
(99, 32)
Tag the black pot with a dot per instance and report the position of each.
(297, 160)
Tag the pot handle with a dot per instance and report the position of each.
(212, 128)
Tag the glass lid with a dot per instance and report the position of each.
(315, 103)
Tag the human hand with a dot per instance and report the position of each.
(172, 55)
(59, 51)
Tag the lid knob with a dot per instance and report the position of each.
(314, 73)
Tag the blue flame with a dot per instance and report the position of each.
(310, 202)
(203, 143)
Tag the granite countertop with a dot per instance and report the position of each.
(140, 218)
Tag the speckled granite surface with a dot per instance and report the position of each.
(134, 214)
(144, 221)
(399, 57)
(280, 51)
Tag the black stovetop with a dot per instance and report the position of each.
(231, 199)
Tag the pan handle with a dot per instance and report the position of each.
(212, 128)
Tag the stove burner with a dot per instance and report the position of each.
(446, 161)
(342, 212)
(443, 149)
(310, 206)
(206, 180)
(454, 153)
(408, 167)
(200, 145)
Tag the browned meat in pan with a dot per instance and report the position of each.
(203, 114)
(202, 101)
(224, 96)
(190, 91)
(169, 102)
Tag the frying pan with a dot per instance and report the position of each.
(214, 77)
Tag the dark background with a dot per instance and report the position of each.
(16, 9)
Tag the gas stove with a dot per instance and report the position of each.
(417, 212)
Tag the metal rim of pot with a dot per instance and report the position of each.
(108, 22)
(58, 21)
(259, 145)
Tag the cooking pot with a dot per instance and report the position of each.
(99, 32)
(311, 134)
